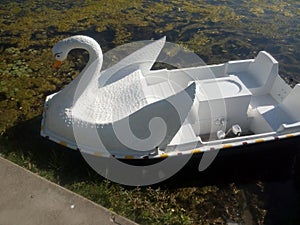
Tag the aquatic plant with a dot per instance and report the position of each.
(217, 30)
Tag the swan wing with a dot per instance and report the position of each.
(142, 59)
(152, 126)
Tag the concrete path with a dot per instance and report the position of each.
(26, 198)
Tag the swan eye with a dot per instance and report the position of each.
(57, 55)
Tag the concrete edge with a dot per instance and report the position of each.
(113, 217)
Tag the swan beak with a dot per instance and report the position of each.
(57, 64)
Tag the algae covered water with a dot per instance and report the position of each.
(217, 31)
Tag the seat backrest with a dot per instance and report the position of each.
(264, 69)
(291, 103)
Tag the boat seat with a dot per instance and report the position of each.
(258, 75)
(158, 91)
(275, 116)
(279, 117)
(185, 135)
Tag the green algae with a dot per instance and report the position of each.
(216, 30)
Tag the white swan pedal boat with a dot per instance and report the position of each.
(132, 112)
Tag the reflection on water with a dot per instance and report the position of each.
(217, 30)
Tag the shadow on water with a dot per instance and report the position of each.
(274, 167)
(241, 166)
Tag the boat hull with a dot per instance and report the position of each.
(277, 154)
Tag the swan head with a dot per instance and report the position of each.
(62, 48)
(60, 51)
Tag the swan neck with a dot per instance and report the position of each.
(94, 50)
(90, 71)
